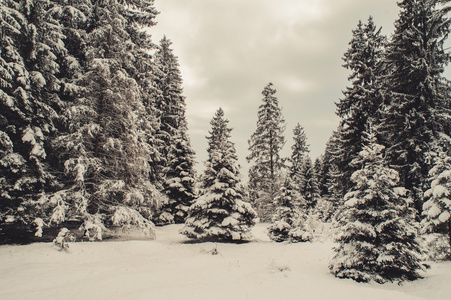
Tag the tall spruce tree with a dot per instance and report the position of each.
(378, 238)
(177, 162)
(221, 213)
(415, 59)
(31, 53)
(106, 152)
(290, 215)
(362, 100)
(141, 68)
(265, 145)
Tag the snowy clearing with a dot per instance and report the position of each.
(171, 268)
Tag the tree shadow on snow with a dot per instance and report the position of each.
(204, 241)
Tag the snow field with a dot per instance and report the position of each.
(171, 267)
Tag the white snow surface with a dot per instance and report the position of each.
(169, 268)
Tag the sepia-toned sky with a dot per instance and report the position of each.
(229, 50)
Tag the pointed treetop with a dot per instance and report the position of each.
(269, 90)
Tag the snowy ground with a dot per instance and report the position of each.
(170, 268)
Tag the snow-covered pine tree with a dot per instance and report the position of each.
(415, 60)
(335, 196)
(332, 184)
(326, 205)
(378, 238)
(299, 150)
(143, 70)
(318, 165)
(362, 100)
(221, 213)
(178, 157)
(31, 50)
(437, 208)
(309, 187)
(290, 214)
(106, 152)
(180, 178)
(265, 145)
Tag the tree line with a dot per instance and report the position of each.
(93, 130)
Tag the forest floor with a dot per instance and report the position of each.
(171, 267)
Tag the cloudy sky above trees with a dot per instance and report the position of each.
(229, 50)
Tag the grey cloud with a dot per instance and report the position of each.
(233, 48)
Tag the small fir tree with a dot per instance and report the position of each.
(437, 208)
(378, 238)
(180, 179)
(221, 213)
(289, 217)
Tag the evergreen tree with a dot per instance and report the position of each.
(362, 100)
(221, 213)
(331, 179)
(265, 145)
(415, 58)
(378, 239)
(180, 178)
(290, 214)
(437, 208)
(105, 149)
(31, 50)
(298, 154)
(143, 70)
(335, 192)
(309, 187)
(318, 166)
(177, 162)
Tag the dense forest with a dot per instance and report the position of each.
(94, 135)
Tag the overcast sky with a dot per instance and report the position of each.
(229, 50)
